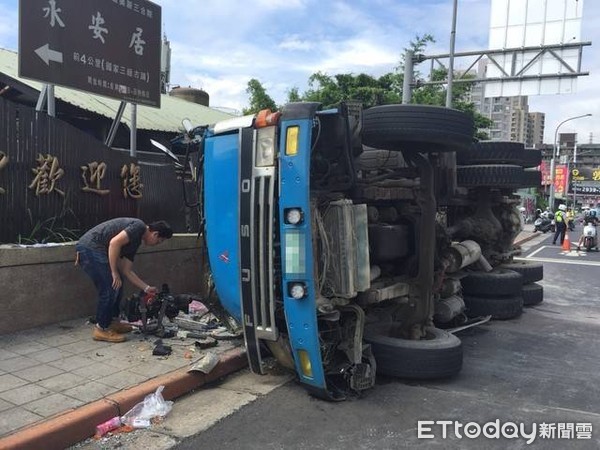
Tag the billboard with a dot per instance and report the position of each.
(528, 24)
(585, 181)
(560, 180)
(106, 47)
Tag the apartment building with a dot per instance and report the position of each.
(511, 118)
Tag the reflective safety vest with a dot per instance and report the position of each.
(558, 216)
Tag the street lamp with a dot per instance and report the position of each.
(555, 151)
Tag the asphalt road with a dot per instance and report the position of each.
(538, 372)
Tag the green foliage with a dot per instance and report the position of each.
(293, 95)
(418, 46)
(43, 232)
(481, 122)
(52, 229)
(370, 91)
(540, 201)
(259, 99)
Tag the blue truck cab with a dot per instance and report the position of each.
(260, 235)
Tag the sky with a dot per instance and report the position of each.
(219, 45)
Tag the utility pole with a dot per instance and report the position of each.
(451, 56)
(408, 77)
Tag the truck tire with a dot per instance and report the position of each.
(498, 282)
(440, 355)
(489, 175)
(417, 128)
(533, 294)
(495, 152)
(531, 271)
(492, 152)
(531, 158)
(531, 178)
(500, 308)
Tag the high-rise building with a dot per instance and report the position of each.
(535, 129)
(511, 118)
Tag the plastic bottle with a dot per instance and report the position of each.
(109, 425)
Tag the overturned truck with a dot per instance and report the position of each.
(351, 242)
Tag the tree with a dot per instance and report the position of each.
(259, 99)
(293, 95)
(370, 91)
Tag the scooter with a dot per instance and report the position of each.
(589, 237)
(543, 224)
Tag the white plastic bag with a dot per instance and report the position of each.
(154, 405)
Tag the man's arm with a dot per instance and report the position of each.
(126, 266)
(114, 253)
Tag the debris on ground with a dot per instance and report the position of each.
(206, 342)
(224, 335)
(197, 308)
(161, 349)
(206, 363)
(154, 407)
(191, 322)
(109, 425)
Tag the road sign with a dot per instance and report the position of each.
(585, 180)
(585, 188)
(107, 47)
(585, 173)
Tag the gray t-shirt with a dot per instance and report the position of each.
(99, 237)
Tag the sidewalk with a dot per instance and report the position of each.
(57, 384)
(527, 234)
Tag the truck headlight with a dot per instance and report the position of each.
(265, 147)
(293, 216)
(297, 290)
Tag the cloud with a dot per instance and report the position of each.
(296, 43)
(223, 91)
(279, 4)
(8, 30)
(355, 55)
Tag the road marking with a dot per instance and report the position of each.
(573, 253)
(560, 261)
(533, 253)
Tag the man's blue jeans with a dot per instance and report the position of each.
(95, 264)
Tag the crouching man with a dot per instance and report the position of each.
(105, 253)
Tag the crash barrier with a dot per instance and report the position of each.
(40, 285)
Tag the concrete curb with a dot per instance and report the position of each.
(76, 425)
(527, 238)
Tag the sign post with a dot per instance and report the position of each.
(106, 47)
